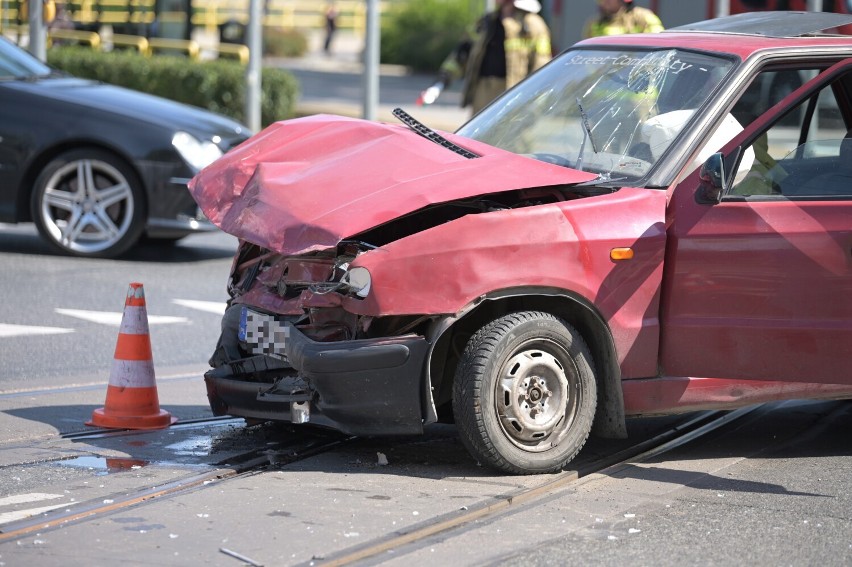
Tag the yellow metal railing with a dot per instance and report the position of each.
(234, 51)
(208, 14)
(169, 46)
(81, 37)
(148, 47)
(128, 16)
(136, 42)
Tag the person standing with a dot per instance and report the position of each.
(509, 43)
(330, 26)
(619, 17)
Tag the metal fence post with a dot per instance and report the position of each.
(371, 61)
(253, 69)
(38, 34)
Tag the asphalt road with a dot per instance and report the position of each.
(334, 84)
(772, 490)
(78, 302)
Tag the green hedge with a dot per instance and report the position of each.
(281, 42)
(421, 33)
(218, 86)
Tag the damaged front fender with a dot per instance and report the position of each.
(563, 246)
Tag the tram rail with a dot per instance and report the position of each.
(259, 460)
(682, 433)
(246, 464)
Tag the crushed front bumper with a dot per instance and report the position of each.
(360, 387)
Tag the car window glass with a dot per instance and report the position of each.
(611, 112)
(724, 133)
(766, 90)
(807, 153)
(16, 63)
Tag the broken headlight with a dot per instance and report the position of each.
(358, 281)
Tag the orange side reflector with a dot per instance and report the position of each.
(617, 254)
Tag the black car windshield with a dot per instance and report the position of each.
(611, 112)
(15, 63)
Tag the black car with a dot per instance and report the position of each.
(96, 167)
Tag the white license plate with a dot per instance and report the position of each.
(263, 334)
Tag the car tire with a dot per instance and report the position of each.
(524, 393)
(89, 203)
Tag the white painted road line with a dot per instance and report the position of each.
(217, 307)
(7, 517)
(8, 330)
(27, 498)
(18, 499)
(114, 319)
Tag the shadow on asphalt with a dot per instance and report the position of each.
(60, 417)
(210, 444)
(439, 453)
(20, 241)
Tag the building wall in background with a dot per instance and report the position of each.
(566, 17)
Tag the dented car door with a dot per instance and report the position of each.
(759, 284)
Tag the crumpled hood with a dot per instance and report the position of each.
(306, 184)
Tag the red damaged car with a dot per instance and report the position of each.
(633, 230)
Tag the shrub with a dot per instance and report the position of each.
(280, 42)
(421, 33)
(218, 85)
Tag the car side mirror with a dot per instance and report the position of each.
(712, 177)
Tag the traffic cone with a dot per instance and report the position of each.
(131, 400)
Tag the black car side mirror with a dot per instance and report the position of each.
(712, 176)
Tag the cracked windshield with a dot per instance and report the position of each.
(614, 113)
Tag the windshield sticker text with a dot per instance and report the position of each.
(675, 67)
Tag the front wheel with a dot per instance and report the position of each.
(87, 202)
(524, 394)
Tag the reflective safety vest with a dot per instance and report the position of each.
(627, 20)
(527, 46)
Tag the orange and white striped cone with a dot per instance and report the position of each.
(131, 400)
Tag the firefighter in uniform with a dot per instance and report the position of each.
(509, 43)
(620, 17)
